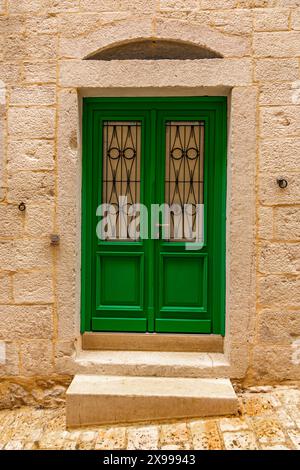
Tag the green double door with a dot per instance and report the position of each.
(153, 214)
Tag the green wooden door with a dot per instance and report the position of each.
(154, 152)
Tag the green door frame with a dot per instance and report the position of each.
(95, 110)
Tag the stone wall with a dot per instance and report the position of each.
(38, 284)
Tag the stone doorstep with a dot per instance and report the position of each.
(94, 399)
(153, 363)
(152, 342)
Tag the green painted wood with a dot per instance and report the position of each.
(119, 324)
(153, 285)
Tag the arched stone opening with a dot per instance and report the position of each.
(155, 49)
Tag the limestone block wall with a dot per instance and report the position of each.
(39, 331)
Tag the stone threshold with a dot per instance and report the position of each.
(153, 363)
(152, 342)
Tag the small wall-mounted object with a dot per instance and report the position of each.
(54, 239)
(282, 182)
(22, 206)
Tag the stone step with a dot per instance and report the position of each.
(153, 363)
(96, 400)
(152, 342)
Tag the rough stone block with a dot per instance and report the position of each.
(46, 24)
(274, 364)
(33, 95)
(216, 4)
(280, 121)
(282, 44)
(30, 6)
(39, 220)
(5, 288)
(295, 18)
(11, 363)
(30, 155)
(267, 70)
(142, 6)
(25, 254)
(287, 223)
(31, 186)
(11, 221)
(33, 287)
(39, 72)
(271, 194)
(276, 94)
(278, 326)
(37, 357)
(34, 47)
(271, 20)
(279, 155)
(279, 290)
(171, 5)
(21, 322)
(32, 123)
(279, 258)
(265, 222)
(10, 73)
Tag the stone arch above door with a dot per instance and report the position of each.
(135, 29)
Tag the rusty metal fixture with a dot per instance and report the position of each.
(282, 183)
(54, 239)
(22, 206)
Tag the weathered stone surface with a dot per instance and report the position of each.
(280, 121)
(240, 441)
(204, 72)
(143, 438)
(287, 223)
(114, 438)
(279, 155)
(25, 254)
(279, 258)
(30, 155)
(268, 20)
(205, 435)
(271, 194)
(33, 287)
(39, 72)
(268, 70)
(277, 93)
(282, 44)
(265, 424)
(278, 326)
(177, 434)
(33, 95)
(26, 322)
(265, 222)
(5, 288)
(31, 186)
(275, 363)
(10, 362)
(43, 47)
(37, 357)
(279, 290)
(39, 220)
(12, 221)
(142, 6)
(32, 123)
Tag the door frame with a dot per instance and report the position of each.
(216, 104)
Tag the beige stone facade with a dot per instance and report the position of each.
(43, 77)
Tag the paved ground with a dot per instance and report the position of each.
(269, 418)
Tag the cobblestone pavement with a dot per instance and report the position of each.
(269, 418)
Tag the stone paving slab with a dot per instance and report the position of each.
(269, 419)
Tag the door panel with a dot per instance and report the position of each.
(154, 151)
